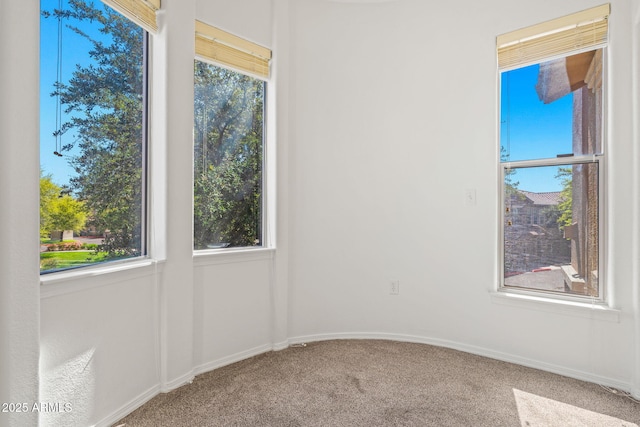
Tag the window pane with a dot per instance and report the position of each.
(92, 138)
(541, 109)
(228, 158)
(551, 228)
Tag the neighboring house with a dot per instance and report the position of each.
(533, 239)
(536, 208)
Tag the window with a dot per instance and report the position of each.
(552, 154)
(229, 102)
(93, 112)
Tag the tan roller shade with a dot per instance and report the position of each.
(216, 45)
(577, 32)
(142, 12)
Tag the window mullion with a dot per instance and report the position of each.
(589, 158)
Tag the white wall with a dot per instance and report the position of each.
(99, 345)
(394, 111)
(172, 129)
(249, 19)
(232, 309)
(382, 124)
(19, 173)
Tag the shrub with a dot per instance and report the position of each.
(65, 246)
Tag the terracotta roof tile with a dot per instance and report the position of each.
(545, 199)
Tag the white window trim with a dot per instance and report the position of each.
(576, 301)
(231, 255)
(268, 177)
(83, 279)
(106, 267)
(587, 309)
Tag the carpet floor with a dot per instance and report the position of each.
(383, 383)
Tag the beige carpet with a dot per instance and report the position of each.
(383, 383)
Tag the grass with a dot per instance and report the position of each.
(45, 241)
(55, 260)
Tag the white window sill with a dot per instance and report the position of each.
(64, 282)
(227, 256)
(572, 308)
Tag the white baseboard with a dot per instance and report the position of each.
(129, 407)
(237, 357)
(281, 345)
(480, 351)
(177, 382)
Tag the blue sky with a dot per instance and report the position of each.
(75, 51)
(530, 129)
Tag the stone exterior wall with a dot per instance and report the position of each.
(587, 139)
(532, 238)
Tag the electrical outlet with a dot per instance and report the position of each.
(394, 287)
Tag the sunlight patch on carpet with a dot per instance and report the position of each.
(535, 410)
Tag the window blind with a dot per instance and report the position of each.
(579, 31)
(142, 12)
(216, 45)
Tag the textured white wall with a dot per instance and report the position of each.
(99, 346)
(19, 174)
(393, 120)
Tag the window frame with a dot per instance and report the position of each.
(598, 158)
(146, 118)
(265, 220)
(55, 275)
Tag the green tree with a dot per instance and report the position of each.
(49, 193)
(105, 102)
(511, 186)
(565, 175)
(228, 157)
(67, 214)
(59, 211)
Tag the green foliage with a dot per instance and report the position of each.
(71, 245)
(228, 157)
(67, 214)
(511, 186)
(105, 102)
(58, 211)
(566, 197)
(49, 193)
